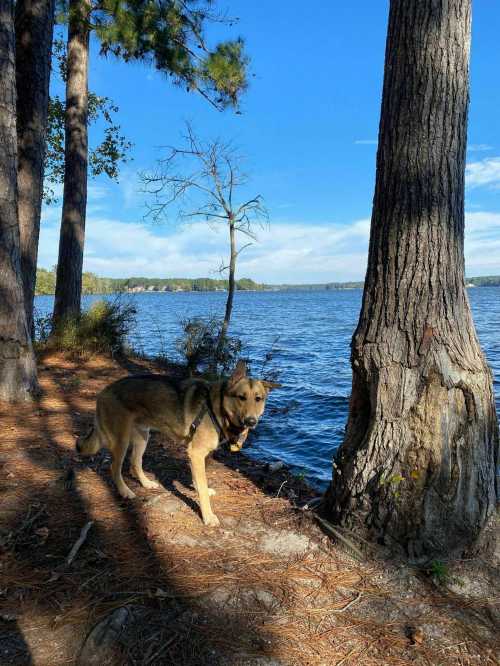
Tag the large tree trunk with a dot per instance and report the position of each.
(70, 261)
(34, 27)
(17, 362)
(417, 465)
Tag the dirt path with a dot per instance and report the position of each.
(268, 587)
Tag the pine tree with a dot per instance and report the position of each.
(417, 465)
(169, 35)
(17, 362)
(34, 20)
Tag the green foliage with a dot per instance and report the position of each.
(485, 281)
(106, 157)
(199, 343)
(439, 571)
(45, 281)
(170, 35)
(103, 328)
(92, 284)
(225, 68)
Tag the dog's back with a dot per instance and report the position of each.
(148, 401)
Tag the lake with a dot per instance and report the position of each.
(309, 334)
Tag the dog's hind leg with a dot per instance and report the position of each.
(139, 443)
(197, 462)
(121, 441)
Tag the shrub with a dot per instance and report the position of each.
(103, 328)
(198, 346)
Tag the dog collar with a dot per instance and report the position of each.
(224, 440)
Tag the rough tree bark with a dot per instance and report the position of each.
(71, 241)
(17, 362)
(34, 27)
(417, 465)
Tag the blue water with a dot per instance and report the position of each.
(309, 334)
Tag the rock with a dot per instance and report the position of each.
(125, 632)
(283, 542)
(102, 645)
(171, 505)
(165, 504)
(274, 467)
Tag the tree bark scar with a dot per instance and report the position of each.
(427, 337)
(470, 404)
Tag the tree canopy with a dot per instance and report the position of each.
(170, 34)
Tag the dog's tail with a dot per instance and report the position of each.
(89, 444)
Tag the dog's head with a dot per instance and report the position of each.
(245, 398)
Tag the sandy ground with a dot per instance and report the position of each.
(267, 587)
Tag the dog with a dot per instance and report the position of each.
(201, 414)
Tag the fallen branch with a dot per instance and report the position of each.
(314, 503)
(79, 542)
(333, 530)
(279, 489)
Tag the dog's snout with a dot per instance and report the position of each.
(250, 421)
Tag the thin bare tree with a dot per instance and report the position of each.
(203, 180)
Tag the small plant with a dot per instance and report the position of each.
(301, 475)
(103, 328)
(439, 571)
(199, 345)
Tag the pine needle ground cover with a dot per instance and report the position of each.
(268, 587)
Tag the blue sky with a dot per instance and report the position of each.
(308, 131)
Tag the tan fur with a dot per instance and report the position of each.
(128, 409)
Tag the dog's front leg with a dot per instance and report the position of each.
(197, 461)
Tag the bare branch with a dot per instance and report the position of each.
(243, 247)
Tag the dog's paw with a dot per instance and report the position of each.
(126, 493)
(211, 521)
(211, 492)
(150, 485)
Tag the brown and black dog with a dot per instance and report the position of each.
(200, 413)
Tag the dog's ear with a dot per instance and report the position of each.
(270, 385)
(239, 372)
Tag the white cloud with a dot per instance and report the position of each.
(286, 251)
(482, 243)
(479, 147)
(483, 173)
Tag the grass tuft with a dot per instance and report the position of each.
(103, 329)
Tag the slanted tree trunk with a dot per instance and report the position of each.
(34, 26)
(71, 242)
(230, 292)
(17, 362)
(417, 465)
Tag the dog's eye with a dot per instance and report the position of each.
(258, 398)
(242, 397)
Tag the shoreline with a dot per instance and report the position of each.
(273, 290)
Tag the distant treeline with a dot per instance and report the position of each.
(92, 284)
(317, 287)
(487, 281)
